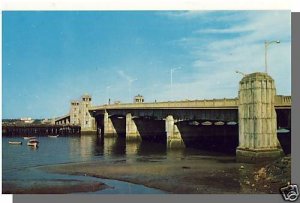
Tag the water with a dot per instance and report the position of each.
(20, 162)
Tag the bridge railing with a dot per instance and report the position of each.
(217, 103)
(212, 103)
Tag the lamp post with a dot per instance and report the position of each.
(130, 81)
(239, 72)
(267, 43)
(107, 93)
(171, 82)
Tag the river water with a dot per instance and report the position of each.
(20, 162)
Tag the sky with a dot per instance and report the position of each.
(51, 58)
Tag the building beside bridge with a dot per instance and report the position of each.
(79, 114)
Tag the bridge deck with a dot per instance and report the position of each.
(281, 102)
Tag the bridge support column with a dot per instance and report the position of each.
(132, 132)
(257, 119)
(174, 139)
(109, 130)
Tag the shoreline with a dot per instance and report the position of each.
(57, 186)
(184, 176)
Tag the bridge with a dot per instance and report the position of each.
(63, 120)
(249, 121)
(179, 121)
(281, 103)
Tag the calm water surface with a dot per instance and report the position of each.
(19, 161)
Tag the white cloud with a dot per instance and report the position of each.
(126, 76)
(215, 61)
(185, 14)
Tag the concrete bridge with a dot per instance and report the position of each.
(179, 120)
(249, 121)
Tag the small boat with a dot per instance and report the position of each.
(53, 136)
(219, 123)
(27, 138)
(33, 143)
(206, 123)
(14, 142)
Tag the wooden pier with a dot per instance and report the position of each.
(39, 129)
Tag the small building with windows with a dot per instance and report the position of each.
(138, 99)
(79, 113)
(74, 112)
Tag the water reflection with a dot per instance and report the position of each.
(132, 148)
(32, 148)
(114, 146)
(176, 154)
(19, 160)
(86, 148)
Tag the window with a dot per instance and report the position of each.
(86, 122)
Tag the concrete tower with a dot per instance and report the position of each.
(74, 113)
(86, 120)
(257, 119)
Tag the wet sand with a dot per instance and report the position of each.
(193, 174)
(50, 186)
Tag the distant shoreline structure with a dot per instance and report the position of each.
(39, 129)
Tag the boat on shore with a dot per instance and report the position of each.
(14, 143)
(33, 143)
(53, 136)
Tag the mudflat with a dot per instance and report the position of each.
(187, 175)
(50, 186)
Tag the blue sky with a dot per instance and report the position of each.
(50, 58)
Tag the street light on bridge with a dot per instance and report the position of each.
(267, 43)
(107, 94)
(171, 82)
(239, 72)
(130, 81)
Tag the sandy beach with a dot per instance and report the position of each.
(189, 175)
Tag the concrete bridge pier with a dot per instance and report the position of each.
(132, 133)
(109, 129)
(257, 119)
(174, 139)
